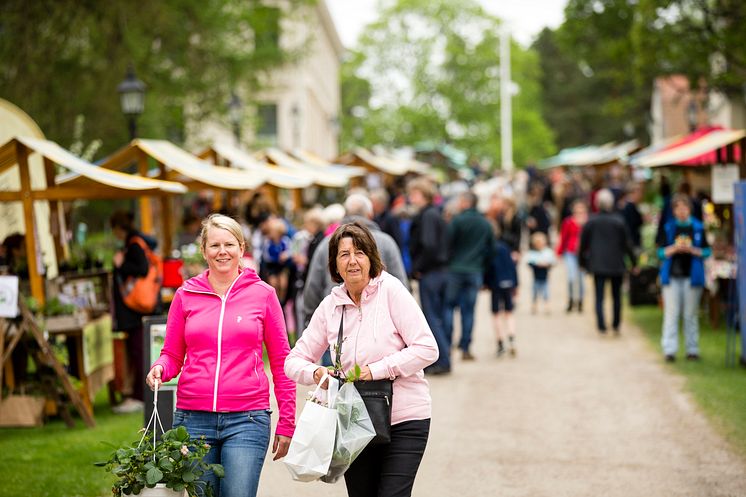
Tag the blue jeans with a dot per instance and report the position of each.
(574, 277)
(238, 441)
(540, 289)
(433, 287)
(680, 299)
(462, 292)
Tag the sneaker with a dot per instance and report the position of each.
(466, 356)
(437, 370)
(580, 306)
(128, 406)
(670, 358)
(569, 307)
(692, 357)
(500, 348)
(512, 351)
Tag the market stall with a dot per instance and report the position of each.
(78, 179)
(174, 163)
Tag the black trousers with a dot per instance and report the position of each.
(388, 470)
(616, 294)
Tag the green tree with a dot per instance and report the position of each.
(428, 70)
(596, 36)
(698, 38)
(63, 58)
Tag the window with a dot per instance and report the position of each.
(267, 125)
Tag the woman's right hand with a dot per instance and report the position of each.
(155, 376)
(318, 374)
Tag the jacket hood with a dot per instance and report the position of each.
(340, 297)
(200, 283)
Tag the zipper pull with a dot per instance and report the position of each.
(360, 313)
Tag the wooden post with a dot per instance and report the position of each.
(56, 220)
(37, 285)
(298, 199)
(146, 213)
(167, 221)
(742, 162)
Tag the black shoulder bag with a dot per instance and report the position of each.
(377, 395)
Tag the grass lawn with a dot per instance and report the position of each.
(56, 461)
(719, 390)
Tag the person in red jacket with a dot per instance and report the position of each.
(567, 248)
(216, 326)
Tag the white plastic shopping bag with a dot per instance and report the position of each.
(311, 448)
(354, 431)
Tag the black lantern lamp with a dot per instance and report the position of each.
(132, 99)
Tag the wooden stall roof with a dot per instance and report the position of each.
(320, 176)
(80, 175)
(591, 155)
(690, 150)
(363, 157)
(278, 176)
(314, 160)
(82, 180)
(198, 173)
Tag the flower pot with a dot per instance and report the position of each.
(160, 490)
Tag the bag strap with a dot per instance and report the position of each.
(338, 354)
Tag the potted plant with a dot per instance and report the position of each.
(169, 467)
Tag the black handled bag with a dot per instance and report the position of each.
(378, 395)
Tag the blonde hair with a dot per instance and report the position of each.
(224, 223)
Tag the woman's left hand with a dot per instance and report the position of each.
(280, 447)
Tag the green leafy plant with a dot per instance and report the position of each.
(176, 460)
(54, 307)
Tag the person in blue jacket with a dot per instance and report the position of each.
(501, 278)
(682, 246)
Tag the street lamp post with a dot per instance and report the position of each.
(295, 113)
(132, 99)
(235, 108)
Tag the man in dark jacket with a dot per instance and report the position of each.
(429, 250)
(604, 242)
(470, 239)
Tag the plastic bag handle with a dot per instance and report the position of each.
(331, 391)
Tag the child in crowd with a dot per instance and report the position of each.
(502, 280)
(276, 256)
(541, 259)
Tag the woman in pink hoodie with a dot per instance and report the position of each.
(386, 334)
(217, 324)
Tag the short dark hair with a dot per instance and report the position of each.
(362, 239)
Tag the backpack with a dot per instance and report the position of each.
(141, 293)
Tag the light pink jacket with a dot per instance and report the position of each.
(387, 333)
(221, 339)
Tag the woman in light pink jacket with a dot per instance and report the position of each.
(216, 326)
(386, 334)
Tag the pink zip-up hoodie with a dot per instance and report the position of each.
(221, 339)
(388, 333)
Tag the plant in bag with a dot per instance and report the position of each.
(176, 461)
(354, 427)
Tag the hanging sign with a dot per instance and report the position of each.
(8, 296)
(723, 179)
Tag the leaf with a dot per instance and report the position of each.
(218, 470)
(153, 476)
(182, 434)
(188, 476)
(166, 464)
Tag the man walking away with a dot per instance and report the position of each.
(604, 242)
(470, 242)
(429, 250)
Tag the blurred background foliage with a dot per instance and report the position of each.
(64, 58)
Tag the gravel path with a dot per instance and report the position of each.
(574, 414)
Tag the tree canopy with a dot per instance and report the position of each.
(428, 71)
(64, 58)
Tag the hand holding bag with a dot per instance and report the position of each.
(377, 395)
(312, 445)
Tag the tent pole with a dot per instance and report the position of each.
(146, 214)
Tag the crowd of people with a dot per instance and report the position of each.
(343, 285)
